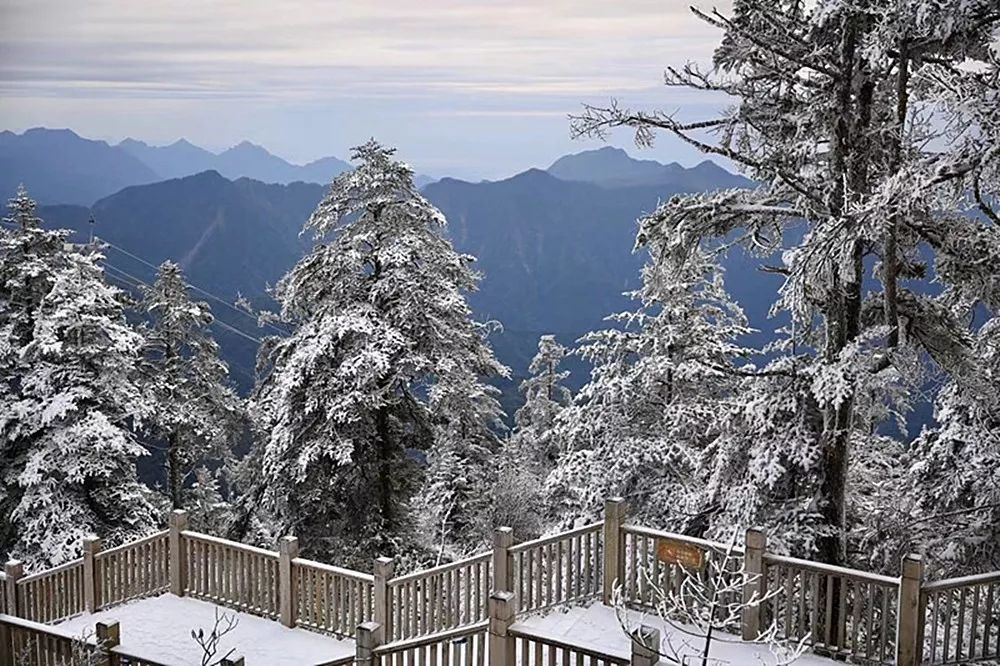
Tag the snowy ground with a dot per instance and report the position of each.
(597, 627)
(159, 629)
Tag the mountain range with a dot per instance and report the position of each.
(59, 166)
(556, 254)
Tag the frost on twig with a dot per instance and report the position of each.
(704, 610)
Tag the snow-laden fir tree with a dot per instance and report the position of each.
(453, 506)
(195, 412)
(385, 360)
(639, 426)
(859, 183)
(79, 399)
(544, 397)
(529, 454)
(29, 259)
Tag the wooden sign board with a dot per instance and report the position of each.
(683, 554)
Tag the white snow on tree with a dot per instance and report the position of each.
(385, 359)
(79, 399)
(638, 428)
(544, 397)
(29, 259)
(195, 411)
(859, 184)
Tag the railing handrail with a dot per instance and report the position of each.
(337, 571)
(962, 581)
(30, 625)
(45, 573)
(555, 538)
(524, 632)
(430, 639)
(208, 538)
(716, 546)
(831, 569)
(121, 548)
(441, 568)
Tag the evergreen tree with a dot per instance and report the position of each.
(638, 427)
(79, 399)
(544, 397)
(29, 259)
(856, 185)
(384, 359)
(194, 409)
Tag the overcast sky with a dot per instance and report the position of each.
(467, 88)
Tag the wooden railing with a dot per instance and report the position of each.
(26, 642)
(844, 613)
(840, 612)
(559, 569)
(445, 597)
(465, 646)
(53, 594)
(961, 619)
(648, 576)
(131, 571)
(331, 599)
(533, 648)
(230, 574)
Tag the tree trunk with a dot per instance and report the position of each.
(384, 449)
(175, 478)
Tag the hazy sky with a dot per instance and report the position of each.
(469, 88)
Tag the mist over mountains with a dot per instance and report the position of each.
(59, 166)
(555, 246)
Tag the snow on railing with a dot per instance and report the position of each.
(29, 642)
(557, 569)
(961, 619)
(434, 600)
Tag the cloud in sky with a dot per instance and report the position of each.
(471, 86)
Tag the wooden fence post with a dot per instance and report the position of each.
(233, 660)
(615, 510)
(365, 642)
(908, 624)
(91, 547)
(753, 583)
(383, 612)
(503, 579)
(178, 574)
(13, 570)
(645, 646)
(109, 636)
(502, 649)
(288, 550)
(6, 646)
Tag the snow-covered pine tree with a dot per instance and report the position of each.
(453, 504)
(544, 397)
(79, 399)
(530, 453)
(639, 426)
(29, 259)
(831, 118)
(382, 329)
(195, 412)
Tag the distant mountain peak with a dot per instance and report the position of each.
(614, 167)
(184, 143)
